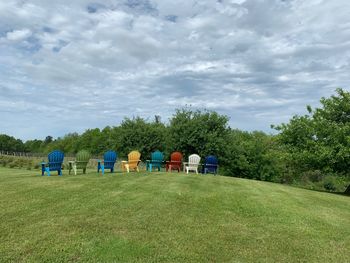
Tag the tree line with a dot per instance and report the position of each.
(312, 150)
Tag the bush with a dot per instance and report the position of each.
(3, 161)
(315, 180)
(333, 183)
(312, 176)
(19, 162)
(329, 184)
(287, 178)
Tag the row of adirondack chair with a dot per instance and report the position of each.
(55, 160)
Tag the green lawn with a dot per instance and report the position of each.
(159, 217)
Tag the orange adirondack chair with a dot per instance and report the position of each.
(133, 162)
(175, 162)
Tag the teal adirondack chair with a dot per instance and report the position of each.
(81, 162)
(156, 161)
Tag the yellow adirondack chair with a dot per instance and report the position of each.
(133, 162)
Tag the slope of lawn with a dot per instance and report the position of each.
(159, 217)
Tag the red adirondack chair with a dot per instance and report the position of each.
(175, 162)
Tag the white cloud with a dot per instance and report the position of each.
(18, 35)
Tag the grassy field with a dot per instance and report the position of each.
(159, 217)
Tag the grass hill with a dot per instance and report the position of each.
(163, 217)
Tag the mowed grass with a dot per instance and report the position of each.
(162, 217)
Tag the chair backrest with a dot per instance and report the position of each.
(83, 156)
(157, 157)
(211, 160)
(176, 157)
(82, 159)
(211, 164)
(134, 159)
(193, 160)
(109, 158)
(55, 160)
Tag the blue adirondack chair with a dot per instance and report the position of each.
(157, 159)
(109, 159)
(55, 160)
(210, 165)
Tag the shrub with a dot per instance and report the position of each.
(287, 178)
(330, 184)
(312, 176)
(19, 162)
(3, 161)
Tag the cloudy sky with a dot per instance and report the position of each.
(67, 66)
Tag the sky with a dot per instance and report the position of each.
(67, 66)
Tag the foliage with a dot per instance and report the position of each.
(137, 134)
(19, 162)
(11, 144)
(95, 141)
(253, 155)
(198, 132)
(34, 146)
(320, 140)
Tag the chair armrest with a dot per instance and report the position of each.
(53, 162)
(209, 164)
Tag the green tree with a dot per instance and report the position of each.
(138, 134)
(33, 146)
(201, 132)
(252, 155)
(92, 141)
(9, 143)
(320, 140)
(68, 144)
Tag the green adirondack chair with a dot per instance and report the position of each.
(81, 162)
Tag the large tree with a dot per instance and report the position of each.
(201, 132)
(139, 134)
(9, 143)
(320, 140)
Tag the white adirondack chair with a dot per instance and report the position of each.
(193, 162)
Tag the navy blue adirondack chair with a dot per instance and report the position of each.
(157, 159)
(109, 159)
(210, 165)
(55, 160)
